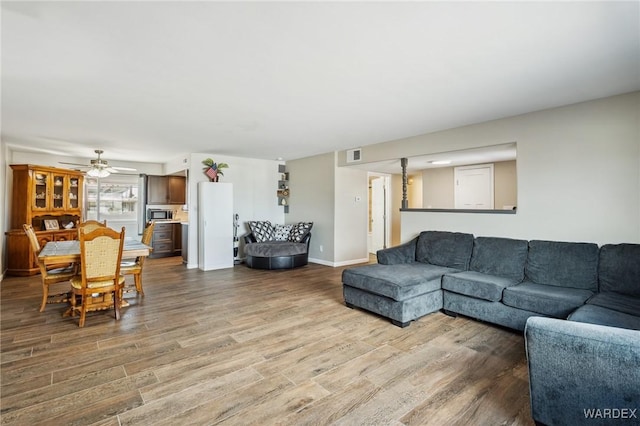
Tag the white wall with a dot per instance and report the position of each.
(351, 216)
(312, 199)
(578, 173)
(322, 193)
(255, 185)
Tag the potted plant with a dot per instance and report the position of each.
(213, 169)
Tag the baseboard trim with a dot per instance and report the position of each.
(339, 264)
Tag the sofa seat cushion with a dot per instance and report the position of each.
(548, 300)
(563, 264)
(475, 284)
(274, 249)
(397, 282)
(617, 302)
(603, 316)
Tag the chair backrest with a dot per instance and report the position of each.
(100, 254)
(90, 225)
(147, 236)
(33, 238)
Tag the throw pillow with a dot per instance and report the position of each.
(299, 231)
(262, 230)
(282, 232)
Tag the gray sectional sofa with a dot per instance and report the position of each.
(580, 373)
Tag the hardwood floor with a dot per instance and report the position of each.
(242, 346)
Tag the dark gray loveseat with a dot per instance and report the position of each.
(270, 246)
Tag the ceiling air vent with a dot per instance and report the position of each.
(354, 155)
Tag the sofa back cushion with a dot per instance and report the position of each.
(450, 249)
(619, 269)
(563, 264)
(504, 257)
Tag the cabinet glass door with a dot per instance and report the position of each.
(73, 194)
(40, 191)
(57, 197)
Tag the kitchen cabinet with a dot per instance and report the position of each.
(41, 194)
(185, 242)
(167, 239)
(166, 190)
(162, 241)
(177, 239)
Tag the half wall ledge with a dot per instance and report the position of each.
(461, 211)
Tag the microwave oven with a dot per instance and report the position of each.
(159, 214)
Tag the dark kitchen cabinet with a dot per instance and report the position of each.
(162, 241)
(177, 239)
(167, 239)
(166, 190)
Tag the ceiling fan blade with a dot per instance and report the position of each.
(129, 169)
(73, 164)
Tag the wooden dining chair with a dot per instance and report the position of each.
(134, 266)
(99, 285)
(90, 225)
(49, 276)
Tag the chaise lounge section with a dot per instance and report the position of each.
(406, 282)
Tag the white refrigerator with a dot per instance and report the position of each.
(215, 225)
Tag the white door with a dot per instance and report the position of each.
(378, 228)
(474, 187)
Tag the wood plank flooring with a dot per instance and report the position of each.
(248, 347)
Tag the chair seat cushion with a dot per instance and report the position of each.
(617, 302)
(62, 271)
(478, 285)
(549, 300)
(76, 282)
(398, 282)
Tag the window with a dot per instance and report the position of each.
(114, 198)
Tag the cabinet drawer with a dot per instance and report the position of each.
(162, 234)
(163, 247)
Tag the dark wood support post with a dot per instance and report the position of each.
(405, 202)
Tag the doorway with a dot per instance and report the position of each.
(379, 212)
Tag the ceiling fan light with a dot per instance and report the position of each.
(99, 173)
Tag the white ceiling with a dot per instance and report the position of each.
(153, 80)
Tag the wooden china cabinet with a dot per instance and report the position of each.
(47, 198)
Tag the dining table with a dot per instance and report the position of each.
(59, 252)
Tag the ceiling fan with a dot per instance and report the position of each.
(99, 167)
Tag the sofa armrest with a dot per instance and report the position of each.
(404, 253)
(576, 369)
(307, 240)
(249, 238)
